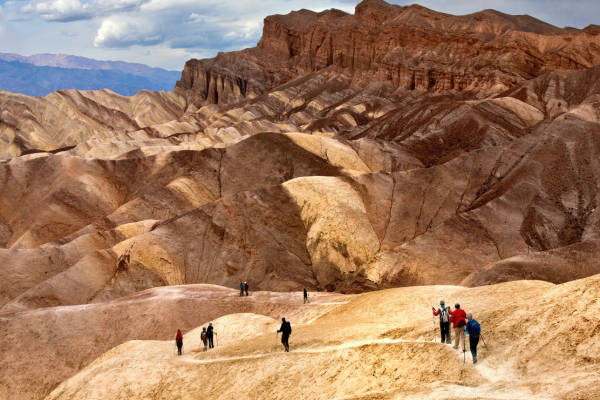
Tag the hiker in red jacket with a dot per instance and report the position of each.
(179, 341)
(204, 338)
(457, 317)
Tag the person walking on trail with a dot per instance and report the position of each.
(286, 331)
(444, 322)
(241, 289)
(473, 329)
(204, 338)
(306, 296)
(210, 332)
(457, 317)
(179, 341)
(246, 287)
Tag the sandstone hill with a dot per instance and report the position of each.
(395, 147)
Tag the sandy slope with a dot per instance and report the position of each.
(542, 338)
(49, 345)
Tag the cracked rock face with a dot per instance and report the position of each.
(394, 147)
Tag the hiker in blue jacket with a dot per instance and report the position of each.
(473, 329)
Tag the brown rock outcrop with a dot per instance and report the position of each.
(411, 47)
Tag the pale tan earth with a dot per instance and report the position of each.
(542, 344)
(396, 147)
(42, 348)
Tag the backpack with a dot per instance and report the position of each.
(203, 335)
(461, 322)
(444, 316)
(475, 328)
(288, 328)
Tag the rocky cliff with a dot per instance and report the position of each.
(411, 47)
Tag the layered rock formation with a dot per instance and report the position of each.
(411, 47)
(285, 210)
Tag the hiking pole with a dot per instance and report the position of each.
(464, 349)
(277, 339)
(484, 343)
(434, 329)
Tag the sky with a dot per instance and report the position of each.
(167, 33)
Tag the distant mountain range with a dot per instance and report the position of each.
(41, 74)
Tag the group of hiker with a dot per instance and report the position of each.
(207, 337)
(243, 287)
(208, 333)
(463, 324)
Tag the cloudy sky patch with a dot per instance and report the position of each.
(166, 33)
(75, 10)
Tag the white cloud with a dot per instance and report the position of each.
(117, 33)
(75, 10)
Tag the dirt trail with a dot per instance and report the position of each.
(345, 346)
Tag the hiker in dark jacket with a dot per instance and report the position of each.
(286, 331)
(241, 289)
(305, 296)
(204, 338)
(179, 341)
(210, 331)
(444, 322)
(246, 287)
(457, 317)
(473, 329)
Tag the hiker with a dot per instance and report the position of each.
(444, 322)
(286, 331)
(473, 329)
(246, 287)
(204, 338)
(305, 296)
(457, 317)
(179, 341)
(241, 289)
(210, 331)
